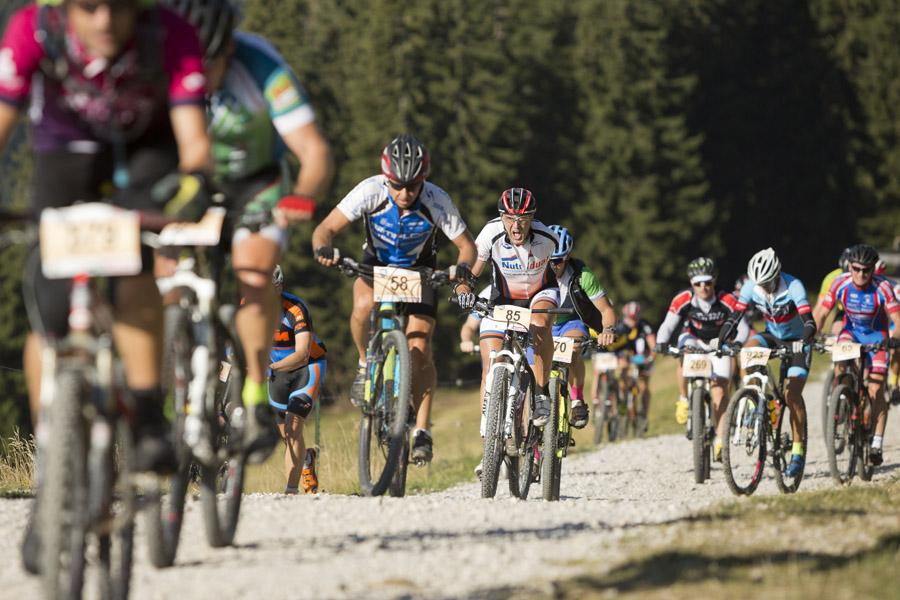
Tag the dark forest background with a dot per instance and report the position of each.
(655, 130)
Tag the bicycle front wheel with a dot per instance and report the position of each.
(841, 435)
(520, 467)
(164, 502)
(698, 435)
(551, 462)
(383, 427)
(493, 434)
(783, 442)
(744, 446)
(62, 514)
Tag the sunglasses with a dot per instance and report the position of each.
(91, 7)
(410, 187)
(703, 284)
(863, 270)
(558, 261)
(522, 219)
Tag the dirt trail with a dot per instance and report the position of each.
(445, 544)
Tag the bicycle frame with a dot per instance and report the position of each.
(516, 363)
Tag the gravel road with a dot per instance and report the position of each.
(447, 544)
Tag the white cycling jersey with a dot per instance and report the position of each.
(518, 272)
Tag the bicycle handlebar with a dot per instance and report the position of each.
(352, 268)
(891, 342)
(484, 308)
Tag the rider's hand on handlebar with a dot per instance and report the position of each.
(466, 300)
(325, 255)
(467, 346)
(605, 338)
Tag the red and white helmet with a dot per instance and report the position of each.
(631, 310)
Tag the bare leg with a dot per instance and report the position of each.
(424, 375)
(294, 450)
(254, 259)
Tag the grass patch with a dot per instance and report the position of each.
(840, 543)
(16, 464)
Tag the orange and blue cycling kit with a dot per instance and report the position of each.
(295, 391)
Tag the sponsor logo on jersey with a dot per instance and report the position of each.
(282, 93)
(194, 82)
(9, 75)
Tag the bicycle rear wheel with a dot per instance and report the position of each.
(164, 501)
(520, 467)
(493, 434)
(840, 435)
(783, 440)
(62, 516)
(744, 446)
(383, 429)
(222, 483)
(397, 489)
(551, 463)
(116, 545)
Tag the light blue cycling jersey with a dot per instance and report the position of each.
(259, 101)
(781, 309)
(402, 238)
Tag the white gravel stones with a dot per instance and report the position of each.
(446, 544)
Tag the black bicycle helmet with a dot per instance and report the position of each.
(862, 254)
(214, 21)
(843, 263)
(517, 201)
(405, 161)
(702, 266)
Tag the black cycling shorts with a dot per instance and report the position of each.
(83, 172)
(427, 307)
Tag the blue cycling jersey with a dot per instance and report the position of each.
(780, 309)
(402, 237)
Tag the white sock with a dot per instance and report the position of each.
(877, 441)
(682, 398)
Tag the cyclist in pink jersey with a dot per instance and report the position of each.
(115, 96)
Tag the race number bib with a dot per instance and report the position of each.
(514, 317)
(393, 284)
(206, 232)
(94, 239)
(755, 357)
(605, 361)
(562, 349)
(844, 351)
(696, 365)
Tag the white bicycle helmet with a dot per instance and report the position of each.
(764, 267)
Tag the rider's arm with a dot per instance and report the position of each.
(798, 295)
(9, 114)
(468, 334)
(825, 303)
(670, 325)
(464, 287)
(324, 233)
(299, 357)
(466, 246)
(189, 126)
(314, 153)
(608, 313)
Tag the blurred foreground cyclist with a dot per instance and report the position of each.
(257, 112)
(116, 92)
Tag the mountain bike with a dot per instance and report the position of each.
(557, 437)
(86, 482)
(848, 426)
(632, 420)
(387, 411)
(606, 397)
(506, 428)
(203, 370)
(758, 423)
(696, 367)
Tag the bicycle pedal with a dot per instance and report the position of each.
(571, 442)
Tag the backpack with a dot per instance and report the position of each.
(583, 305)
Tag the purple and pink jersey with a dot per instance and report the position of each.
(95, 98)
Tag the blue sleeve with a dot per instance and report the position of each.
(798, 293)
